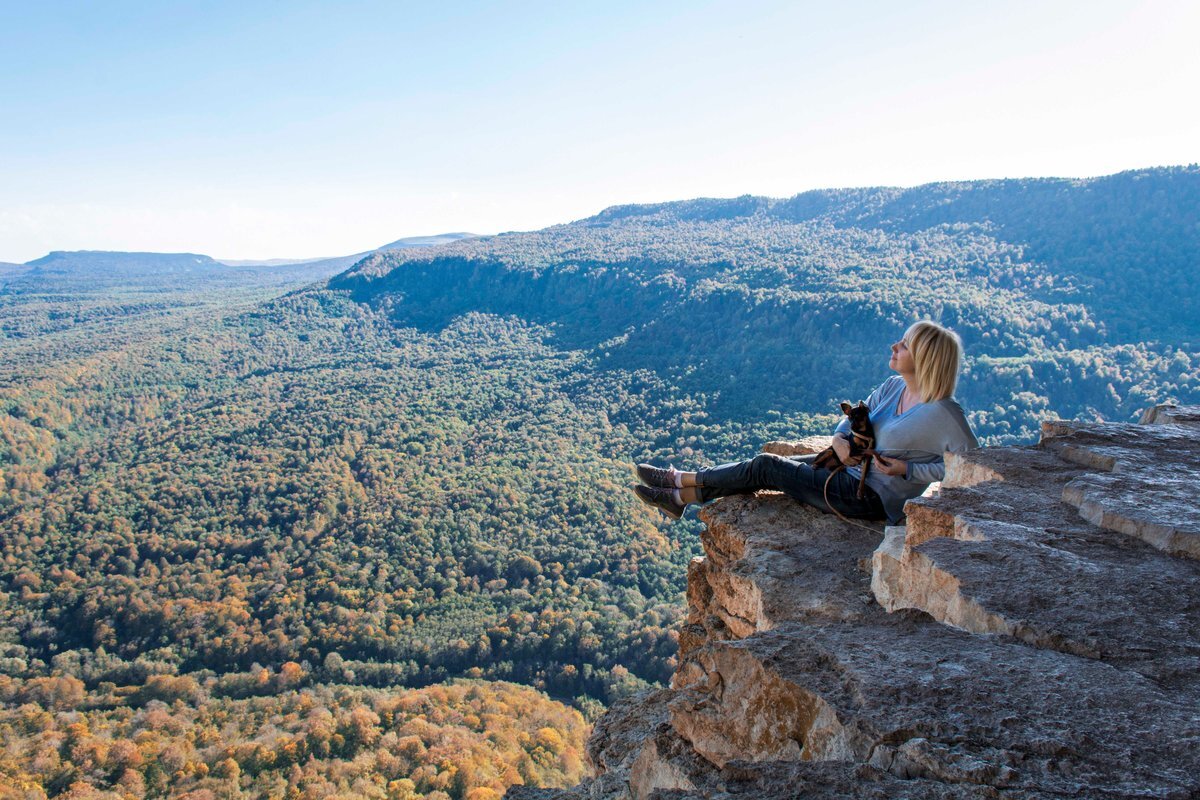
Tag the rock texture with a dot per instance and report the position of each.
(1172, 415)
(1033, 632)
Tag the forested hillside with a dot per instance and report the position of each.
(1074, 297)
(265, 538)
(207, 498)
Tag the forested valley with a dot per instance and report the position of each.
(372, 537)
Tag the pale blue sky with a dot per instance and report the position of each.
(288, 129)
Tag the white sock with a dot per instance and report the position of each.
(678, 479)
(677, 497)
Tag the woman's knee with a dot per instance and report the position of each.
(768, 464)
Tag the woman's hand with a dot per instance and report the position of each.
(841, 446)
(891, 466)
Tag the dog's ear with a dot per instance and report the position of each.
(846, 408)
(861, 404)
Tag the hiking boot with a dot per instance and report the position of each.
(656, 476)
(661, 498)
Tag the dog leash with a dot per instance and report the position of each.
(839, 514)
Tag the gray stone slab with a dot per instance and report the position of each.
(917, 699)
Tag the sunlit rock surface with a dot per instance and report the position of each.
(1034, 631)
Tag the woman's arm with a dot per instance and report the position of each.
(894, 466)
(841, 446)
(959, 438)
(926, 472)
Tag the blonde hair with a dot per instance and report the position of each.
(937, 354)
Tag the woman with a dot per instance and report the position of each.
(916, 420)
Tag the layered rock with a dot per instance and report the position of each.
(1034, 631)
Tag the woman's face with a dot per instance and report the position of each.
(902, 360)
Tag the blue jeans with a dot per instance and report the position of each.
(795, 477)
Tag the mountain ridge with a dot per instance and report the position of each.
(1063, 290)
(806, 205)
(114, 258)
(107, 257)
(90, 270)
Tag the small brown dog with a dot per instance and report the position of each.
(862, 443)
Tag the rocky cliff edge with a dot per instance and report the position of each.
(1034, 631)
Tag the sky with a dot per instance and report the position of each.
(248, 129)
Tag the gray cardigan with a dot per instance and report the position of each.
(920, 436)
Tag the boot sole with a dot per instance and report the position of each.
(655, 505)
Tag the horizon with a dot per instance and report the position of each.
(192, 131)
(472, 234)
(419, 235)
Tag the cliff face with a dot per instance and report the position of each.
(1033, 632)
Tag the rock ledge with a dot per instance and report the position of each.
(1033, 632)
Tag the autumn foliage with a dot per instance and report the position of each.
(460, 740)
